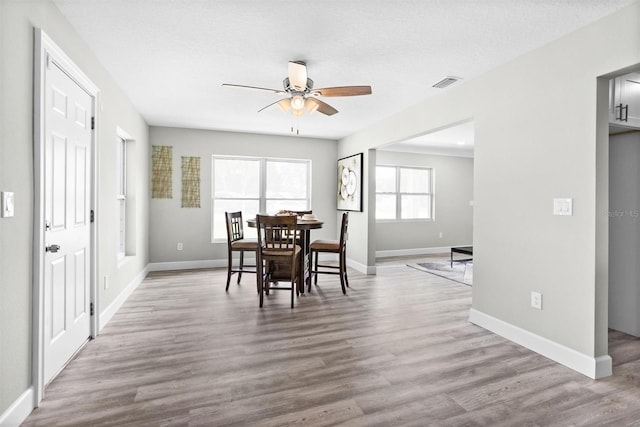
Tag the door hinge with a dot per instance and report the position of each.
(93, 123)
(92, 216)
(91, 309)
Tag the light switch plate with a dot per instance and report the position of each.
(7, 204)
(563, 207)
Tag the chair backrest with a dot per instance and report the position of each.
(343, 229)
(276, 233)
(234, 226)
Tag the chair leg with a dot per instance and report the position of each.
(230, 265)
(294, 280)
(315, 268)
(260, 279)
(341, 273)
(344, 267)
(241, 266)
(258, 272)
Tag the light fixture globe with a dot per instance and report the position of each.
(297, 102)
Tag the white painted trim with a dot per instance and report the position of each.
(45, 52)
(365, 269)
(111, 310)
(593, 367)
(222, 263)
(189, 265)
(19, 410)
(415, 251)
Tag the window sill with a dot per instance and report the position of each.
(124, 259)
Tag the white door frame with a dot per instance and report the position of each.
(46, 52)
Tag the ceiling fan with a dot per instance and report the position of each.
(302, 96)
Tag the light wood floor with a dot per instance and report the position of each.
(397, 350)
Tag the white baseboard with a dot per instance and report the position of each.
(592, 367)
(365, 269)
(414, 251)
(189, 265)
(212, 263)
(19, 410)
(111, 310)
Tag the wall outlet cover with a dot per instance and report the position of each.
(7, 204)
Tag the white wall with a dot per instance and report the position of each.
(453, 216)
(539, 133)
(17, 21)
(171, 224)
(624, 233)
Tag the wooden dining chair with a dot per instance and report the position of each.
(331, 246)
(236, 242)
(278, 257)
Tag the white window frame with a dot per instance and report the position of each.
(121, 195)
(262, 199)
(398, 194)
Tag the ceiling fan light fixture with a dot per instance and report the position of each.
(297, 113)
(284, 104)
(311, 105)
(297, 102)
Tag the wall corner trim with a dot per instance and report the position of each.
(592, 367)
(111, 310)
(19, 410)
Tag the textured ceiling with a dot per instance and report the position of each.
(171, 56)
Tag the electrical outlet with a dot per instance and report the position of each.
(179, 247)
(536, 300)
(441, 235)
(106, 282)
(7, 204)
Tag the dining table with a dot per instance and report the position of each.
(305, 226)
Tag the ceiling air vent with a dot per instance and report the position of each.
(447, 81)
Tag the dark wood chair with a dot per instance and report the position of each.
(278, 257)
(331, 246)
(236, 242)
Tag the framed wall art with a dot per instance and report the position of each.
(350, 183)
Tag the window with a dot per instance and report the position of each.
(121, 195)
(254, 185)
(403, 193)
(125, 178)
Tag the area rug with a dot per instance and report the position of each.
(462, 272)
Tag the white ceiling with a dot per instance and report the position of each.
(457, 140)
(171, 56)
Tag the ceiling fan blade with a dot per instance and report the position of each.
(298, 75)
(284, 105)
(342, 91)
(322, 107)
(255, 87)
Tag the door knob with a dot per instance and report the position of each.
(53, 248)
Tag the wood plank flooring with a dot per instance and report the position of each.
(397, 350)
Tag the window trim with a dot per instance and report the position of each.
(262, 199)
(398, 194)
(121, 195)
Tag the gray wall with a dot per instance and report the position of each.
(453, 216)
(170, 224)
(17, 19)
(624, 233)
(540, 133)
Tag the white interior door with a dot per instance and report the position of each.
(67, 205)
